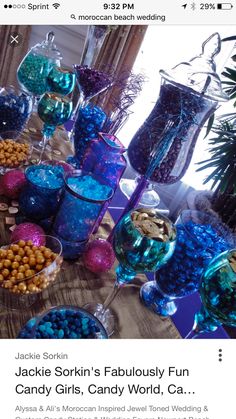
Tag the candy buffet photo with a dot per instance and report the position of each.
(117, 182)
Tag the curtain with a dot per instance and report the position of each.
(11, 56)
(119, 52)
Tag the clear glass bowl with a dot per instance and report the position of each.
(16, 153)
(15, 109)
(32, 287)
(63, 322)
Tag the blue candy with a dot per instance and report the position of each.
(196, 245)
(87, 126)
(61, 324)
(14, 111)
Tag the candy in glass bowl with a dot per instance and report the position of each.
(83, 201)
(15, 109)
(39, 199)
(91, 82)
(35, 67)
(15, 151)
(200, 237)
(26, 270)
(63, 322)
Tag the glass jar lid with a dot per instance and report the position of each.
(48, 48)
(199, 74)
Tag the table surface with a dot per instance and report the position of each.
(77, 286)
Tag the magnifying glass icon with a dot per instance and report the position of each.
(72, 17)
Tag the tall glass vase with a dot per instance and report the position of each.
(82, 202)
(162, 148)
(95, 37)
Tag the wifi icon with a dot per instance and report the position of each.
(56, 5)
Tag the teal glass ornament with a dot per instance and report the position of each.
(218, 295)
(138, 252)
(61, 80)
(53, 110)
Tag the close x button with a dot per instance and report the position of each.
(15, 39)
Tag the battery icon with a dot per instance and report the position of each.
(224, 6)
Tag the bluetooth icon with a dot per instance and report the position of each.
(193, 6)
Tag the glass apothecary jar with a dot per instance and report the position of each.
(162, 148)
(35, 67)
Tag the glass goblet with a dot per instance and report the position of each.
(143, 241)
(61, 80)
(218, 295)
(54, 110)
(200, 237)
(91, 82)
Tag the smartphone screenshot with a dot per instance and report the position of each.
(117, 209)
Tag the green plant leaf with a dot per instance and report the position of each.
(210, 124)
(229, 38)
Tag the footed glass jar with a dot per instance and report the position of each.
(186, 112)
(15, 109)
(162, 148)
(200, 237)
(33, 71)
(40, 197)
